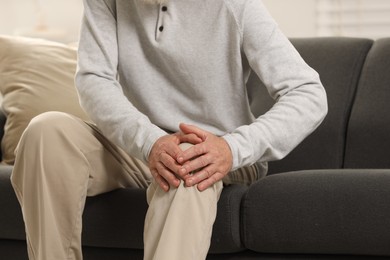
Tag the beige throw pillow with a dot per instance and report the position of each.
(36, 76)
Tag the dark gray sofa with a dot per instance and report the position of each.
(328, 199)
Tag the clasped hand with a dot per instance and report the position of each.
(203, 164)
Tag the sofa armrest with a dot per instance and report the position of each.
(319, 212)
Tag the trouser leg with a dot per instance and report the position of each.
(60, 160)
(179, 223)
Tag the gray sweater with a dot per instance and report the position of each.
(143, 69)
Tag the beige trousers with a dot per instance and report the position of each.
(60, 160)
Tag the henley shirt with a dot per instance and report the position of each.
(145, 68)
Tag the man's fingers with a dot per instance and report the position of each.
(210, 181)
(189, 138)
(167, 175)
(163, 159)
(173, 150)
(199, 176)
(204, 178)
(193, 157)
(195, 164)
(190, 129)
(160, 181)
(170, 163)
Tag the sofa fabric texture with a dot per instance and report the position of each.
(339, 62)
(368, 131)
(320, 212)
(328, 199)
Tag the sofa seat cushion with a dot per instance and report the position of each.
(319, 212)
(11, 219)
(116, 220)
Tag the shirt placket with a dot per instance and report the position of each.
(161, 26)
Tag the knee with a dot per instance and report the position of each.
(47, 123)
(36, 138)
(210, 195)
(46, 128)
(47, 120)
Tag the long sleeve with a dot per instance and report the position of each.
(165, 76)
(100, 92)
(301, 102)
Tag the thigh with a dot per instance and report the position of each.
(64, 147)
(112, 168)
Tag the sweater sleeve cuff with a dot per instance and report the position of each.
(234, 149)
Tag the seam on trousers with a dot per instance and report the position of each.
(80, 210)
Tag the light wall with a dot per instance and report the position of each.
(63, 17)
(296, 18)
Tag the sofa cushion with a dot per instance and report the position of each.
(115, 219)
(35, 76)
(368, 138)
(109, 222)
(3, 119)
(11, 219)
(319, 212)
(339, 62)
(226, 237)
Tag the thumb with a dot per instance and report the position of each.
(191, 129)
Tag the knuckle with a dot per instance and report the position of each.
(159, 180)
(176, 153)
(203, 161)
(168, 165)
(166, 160)
(198, 149)
(215, 178)
(159, 167)
(208, 173)
(163, 147)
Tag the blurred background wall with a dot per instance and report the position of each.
(29, 17)
(60, 19)
(297, 18)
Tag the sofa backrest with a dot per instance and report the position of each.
(368, 138)
(339, 62)
(3, 118)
